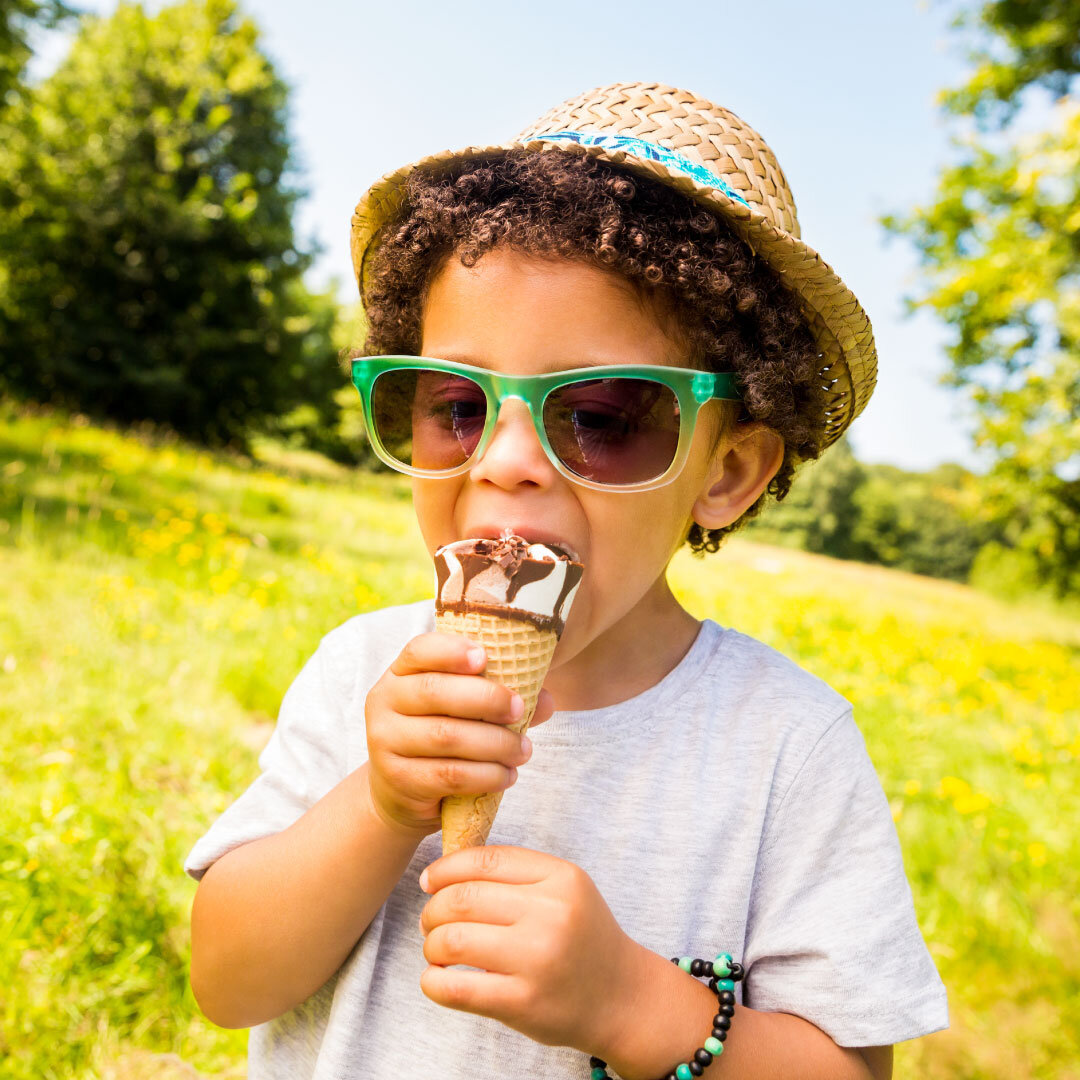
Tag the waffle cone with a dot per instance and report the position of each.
(518, 656)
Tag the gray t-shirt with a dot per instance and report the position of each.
(732, 807)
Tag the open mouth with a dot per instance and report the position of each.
(530, 537)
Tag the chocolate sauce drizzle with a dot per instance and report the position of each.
(510, 553)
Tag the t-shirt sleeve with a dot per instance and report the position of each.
(304, 758)
(832, 935)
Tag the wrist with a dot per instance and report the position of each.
(661, 1015)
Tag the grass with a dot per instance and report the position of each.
(158, 600)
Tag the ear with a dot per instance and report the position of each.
(746, 460)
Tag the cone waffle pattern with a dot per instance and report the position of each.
(518, 656)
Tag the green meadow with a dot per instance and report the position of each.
(158, 599)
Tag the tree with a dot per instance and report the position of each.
(1000, 254)
(1020, 43)
(16, 19)
(928, 523)
(819, 512)
(148, 267)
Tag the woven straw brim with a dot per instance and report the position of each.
(836, 320)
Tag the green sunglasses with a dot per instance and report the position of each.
(619, 427)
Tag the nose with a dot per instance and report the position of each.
(515, 454)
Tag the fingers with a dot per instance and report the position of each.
(468, 696)
(451, 737)
(492, 862)
(473, 902)
(436, 675)
(481, 945)
(434, 778)
(438, 652)
(485, 993)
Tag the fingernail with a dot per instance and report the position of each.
(517, 707)
(423, 880)
(526, 744)
(476, 656)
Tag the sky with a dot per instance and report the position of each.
(843, 91)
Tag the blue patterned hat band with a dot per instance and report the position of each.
(646, 151)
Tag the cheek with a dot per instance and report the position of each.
(433, 503)
(635, 534)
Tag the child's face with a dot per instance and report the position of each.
(524, 315)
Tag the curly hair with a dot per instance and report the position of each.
(724, 306)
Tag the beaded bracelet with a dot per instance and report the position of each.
(722, 974)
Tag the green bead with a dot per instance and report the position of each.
(725, 984)
(598, 1073)
(683, 1072)
(685, 962)
(714, 1046)
(722, 964)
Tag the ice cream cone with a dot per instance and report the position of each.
(511, 597)
(518, 657)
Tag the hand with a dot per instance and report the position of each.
(437, 727)
(557, 966)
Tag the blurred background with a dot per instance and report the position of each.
(187, 500)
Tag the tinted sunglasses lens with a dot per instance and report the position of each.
(428, 419)
(614, 431)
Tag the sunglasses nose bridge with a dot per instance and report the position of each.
(505, 392)
(510, 386)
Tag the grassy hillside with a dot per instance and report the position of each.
(158, 600)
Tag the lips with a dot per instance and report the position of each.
(526, 532)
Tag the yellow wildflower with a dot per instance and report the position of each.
(953, 787)
(971, 802)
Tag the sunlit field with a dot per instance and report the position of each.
(157, 601)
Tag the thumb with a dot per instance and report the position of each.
(545, 706)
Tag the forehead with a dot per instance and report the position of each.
(542, 312)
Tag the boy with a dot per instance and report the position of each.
(695, 790)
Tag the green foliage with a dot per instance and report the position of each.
(335, 426)
(159, 598)
(819, 512)
(148, 266)
(1000, 262)
(1023, 43)
(927, 523)
(16, 19)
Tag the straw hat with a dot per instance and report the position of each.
(712, 156)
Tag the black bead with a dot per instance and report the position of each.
(695, 1068)
(719, 1034)
(712, 984)
(695, 968)
(726, 1010)
(721, 1021)
(672, 1076)
(674, 959)
(726, 997)
(597, 1063)
(702, 1056)
(737, 971)
(709, 968)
